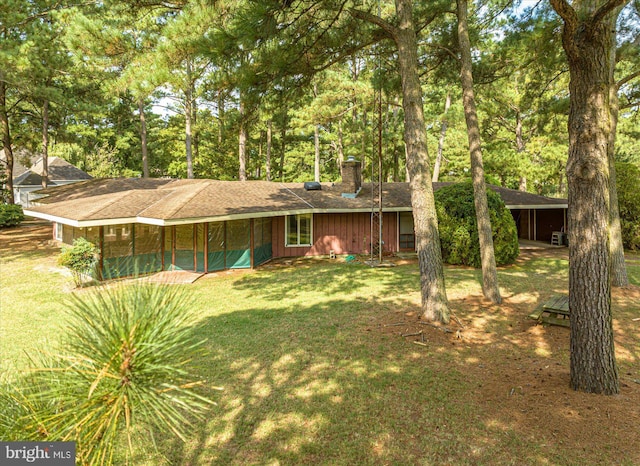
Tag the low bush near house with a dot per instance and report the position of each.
(459, 231)
(80, 259)
(11, 215)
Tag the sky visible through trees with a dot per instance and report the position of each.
(187, 62)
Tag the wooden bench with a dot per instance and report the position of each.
(555, 311)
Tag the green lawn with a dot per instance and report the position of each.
(314, 373)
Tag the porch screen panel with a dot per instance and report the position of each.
(147, 248)
(92, 234)
(168, 248)
(239, 244)
(117, 255)
(215, 243)
(67, 234)
(262, 251)
(184, 247)
(200, 239)
(79, 233)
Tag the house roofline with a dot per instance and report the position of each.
(537, 207)
(190, 220)
(80, 223)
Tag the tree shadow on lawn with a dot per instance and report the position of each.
(334, 383)
(313, 387)
(26, 241)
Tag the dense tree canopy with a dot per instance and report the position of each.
(100, 66)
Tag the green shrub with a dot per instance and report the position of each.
(459, 231)
(11, 215)
(81, 259)
(122, 372)
(627, 175)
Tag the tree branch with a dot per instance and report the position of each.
(389, 29)
(570, 18)
(607, 8)
(626, 79)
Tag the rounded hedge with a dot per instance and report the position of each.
(11, 215)
(459, 230)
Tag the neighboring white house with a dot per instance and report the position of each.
(60, 172)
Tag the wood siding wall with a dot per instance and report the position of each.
(347, 233)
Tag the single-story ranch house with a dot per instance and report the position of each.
(148, 225)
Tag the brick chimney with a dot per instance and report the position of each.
(351, 175)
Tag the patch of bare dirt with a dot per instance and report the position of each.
(520, 372)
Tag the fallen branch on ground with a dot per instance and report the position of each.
(444, 329)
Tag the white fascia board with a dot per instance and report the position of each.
(538, 207)
(80, 223)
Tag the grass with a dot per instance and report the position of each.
(314, 374)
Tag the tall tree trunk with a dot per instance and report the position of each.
(487, 257)
(143, 138)
(316, 143)
(6, 139)
(587, 38)
(187, 117)
(619, 277)
(194, 123)
(268, 161)
(340, 145)
(45, 143)
(434, 297)
(221, 117)
(242, 143)
(520, 148)
(316, 159)
(443, 133)
(283, 146)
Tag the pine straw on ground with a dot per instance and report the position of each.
(521, 373)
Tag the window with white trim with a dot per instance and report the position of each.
(298, 230)
(58, 231)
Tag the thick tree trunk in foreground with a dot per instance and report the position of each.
(487, 257)
(6, 140)
(587, 38)
(434, 296)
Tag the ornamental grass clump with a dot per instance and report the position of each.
(123, 371)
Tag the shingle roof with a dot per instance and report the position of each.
(162, 201)
(60, 170)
